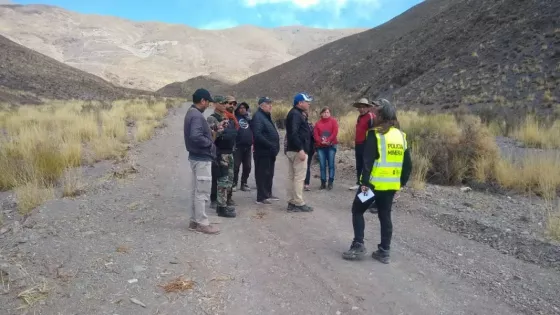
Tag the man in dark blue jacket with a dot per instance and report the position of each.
(267, 146)
(243, 143)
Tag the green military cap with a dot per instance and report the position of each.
(219, 99)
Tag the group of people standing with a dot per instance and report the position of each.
(220, 144)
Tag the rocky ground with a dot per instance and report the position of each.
(113, 249)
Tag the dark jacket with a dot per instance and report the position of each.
(297, 131)
(371, 153)
(267, 140)
(198, 136)
(244, 133)
(225, 140)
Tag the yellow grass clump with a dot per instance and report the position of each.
(534, 134)
(39, 143)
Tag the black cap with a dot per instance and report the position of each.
(203, 94)
(264, 99)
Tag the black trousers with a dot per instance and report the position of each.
(384, 201)
(264, 174)
(214, 188)
(359, 153)
(242, 155)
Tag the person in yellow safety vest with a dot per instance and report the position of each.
(387, 167)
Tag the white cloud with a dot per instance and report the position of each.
(363, 7)
(218, 25)
(6, 2)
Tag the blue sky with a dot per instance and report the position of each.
(216, 14)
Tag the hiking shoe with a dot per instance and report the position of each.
(330, 186)
(290, 206)
(303, 208)
(245, 187)
(193, 225)
(381, 255)
(306, 188)
(264, 202)
(226, 212)
(273, 198)
(207, 229)
(357, 251)
(231, 203)
(323, 185)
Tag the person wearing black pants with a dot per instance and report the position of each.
(385, 178)
(244, 142)
(266, 148)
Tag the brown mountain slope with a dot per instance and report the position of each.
(441, 53)
(186, 88)
(149, 55)
(26, 76)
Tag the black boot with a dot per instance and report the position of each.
(357, 251)
(323, 184)
(231, 203)
(382, 255)
(330, 186)
(226, 212)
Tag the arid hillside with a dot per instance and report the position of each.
(214, 83)
(26, 76)
(151, 55)
(440, 53)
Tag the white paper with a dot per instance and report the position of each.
(366, 196)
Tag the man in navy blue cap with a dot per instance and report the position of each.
(266, 148)
(299, 142)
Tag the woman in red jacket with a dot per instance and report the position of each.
(324, 133)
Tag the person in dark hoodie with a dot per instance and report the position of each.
(244, 142)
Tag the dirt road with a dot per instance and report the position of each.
(265, 261)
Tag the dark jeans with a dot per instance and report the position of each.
(214, 189)
(242, 155)
(264, 174)
(384, 201)
(326, 156)
(308, 173)
(359, 151)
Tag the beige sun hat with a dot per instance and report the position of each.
(362, 102)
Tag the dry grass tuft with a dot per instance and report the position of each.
(35, 294)
(123, 249)
(347, 129)
(72, 184)
(145, 130)
(31, 195)
(177, 285)
(533, 134)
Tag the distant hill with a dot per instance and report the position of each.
(438, 54)
(150, 55)
(186, 88)
(27, 76)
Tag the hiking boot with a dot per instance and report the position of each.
(207, 229)
(290, 207)
(264, 202)
(381, 255)
(193, 225)
(231, 203)
(213, 204)
(226, 212)
(357, 251)
(323, 185)
(245, 187)
(303, 208)
(330, 186)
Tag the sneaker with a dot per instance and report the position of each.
(264, 202)
(306, 188)
(381, 255)
(303, 208)
(193, 225)
(330, 186)
(354, 187)
(245, 187)
(273, 198)
(357, 251)
(207, 229)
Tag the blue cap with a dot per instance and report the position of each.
(264, 99)
(302, 97)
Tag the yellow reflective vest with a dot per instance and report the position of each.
(386, 171)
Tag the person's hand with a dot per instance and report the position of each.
(364, 189)
(302, 155)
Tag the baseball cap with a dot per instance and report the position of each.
(203, 94)
(220, 99)
(264, 99)
(231, 99)
(302, 97)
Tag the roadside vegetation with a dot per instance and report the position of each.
(41, 146)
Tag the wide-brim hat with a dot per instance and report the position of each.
(362, 102)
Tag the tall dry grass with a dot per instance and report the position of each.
(538, 135)
(39, 143)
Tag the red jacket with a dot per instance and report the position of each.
(365, 122)
(325, 128)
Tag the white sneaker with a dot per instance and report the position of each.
(353, 187)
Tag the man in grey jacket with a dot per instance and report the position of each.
(199, 140)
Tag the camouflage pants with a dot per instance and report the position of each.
(224, 183)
